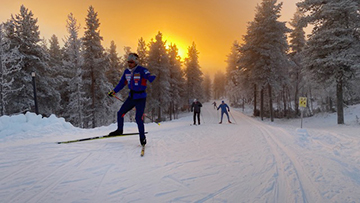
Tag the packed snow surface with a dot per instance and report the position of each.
(246, 161)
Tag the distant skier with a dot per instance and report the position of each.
(214, 103)
(135, 76)
(224, 109)
(196, 108)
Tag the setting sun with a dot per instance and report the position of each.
(213, 30)
(180, 44)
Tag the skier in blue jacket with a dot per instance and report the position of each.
(224, 109)
(135, 77)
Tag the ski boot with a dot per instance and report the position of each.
(116, 132)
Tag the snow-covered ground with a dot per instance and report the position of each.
(248, 161)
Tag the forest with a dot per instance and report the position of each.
(276, 64)
(272, 67)
(73, 81)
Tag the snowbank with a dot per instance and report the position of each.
(30, 125)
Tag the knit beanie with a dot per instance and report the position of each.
(133, 57)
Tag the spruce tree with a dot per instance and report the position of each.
(219, 85)
(142, 52)
(55, 65)
(207, 86)
(10, 65)
(232, 61)
(177, 82)
(331, 54)
(158, 64)
(193, 74)
(263, 55)
(94, 68)
(55, 52)
(34, 59)
(73, 97)
(233, 90)
(297, 44)
(114, 73)
(123, 66)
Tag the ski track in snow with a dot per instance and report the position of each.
(246, 161)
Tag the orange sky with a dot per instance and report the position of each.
(212, 24)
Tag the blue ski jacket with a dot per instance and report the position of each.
(223, 107)
(136, 80)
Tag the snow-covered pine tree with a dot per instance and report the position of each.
(331, 54)
(55, 52)
(158, 64)
(113, 74)
(297, 44)
(142, 52)
(193, 74)
(219, 85)
(124, 65)
(207, 86)
(94, 68)
(34, 59)
(233, 90)
(177, 82)
(232, 61)
(55, 63)
(10, 64)
(74, 96)
(263, 54)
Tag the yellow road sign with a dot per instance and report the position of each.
(302, 101)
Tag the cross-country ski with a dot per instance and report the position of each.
(97, 137)
(142, 153)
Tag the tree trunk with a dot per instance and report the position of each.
(271, 104)
(243, 104)
(93, 98)
(159, 115)
(330, 108)
(311, 103)
(296, 99)
(152, 114)
(255, 100)
(175, 107)
(262, 104)
(170, 110)
(284, 101)
(340, 107)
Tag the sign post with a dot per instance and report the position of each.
(302, 104)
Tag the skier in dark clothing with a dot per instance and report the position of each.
(214, 103)
(195, 107)
(224, 109)
(135, 76)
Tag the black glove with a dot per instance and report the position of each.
(111, 93)
(229, 110)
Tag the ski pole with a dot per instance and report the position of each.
(202, 118)
(118, 98)
(232, 117)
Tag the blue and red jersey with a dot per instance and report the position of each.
(136, 81)
(223, 107)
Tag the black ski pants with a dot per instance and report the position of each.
(196, 114)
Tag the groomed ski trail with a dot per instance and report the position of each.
(250, 161)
